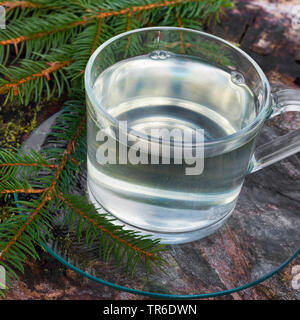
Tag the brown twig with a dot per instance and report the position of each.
(20, 164)
(99, 27)
(146, 7)
(182, 51)
(44, 73)
(129, 15)
(16, 41)
(18, 4)
(24, 191)
(101, 15)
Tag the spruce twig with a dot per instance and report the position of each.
(57, 38)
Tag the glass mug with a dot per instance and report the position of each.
(143, 84)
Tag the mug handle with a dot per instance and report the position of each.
(284, 146)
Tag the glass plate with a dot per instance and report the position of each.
(259, 240)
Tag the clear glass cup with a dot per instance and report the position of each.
(194, 96)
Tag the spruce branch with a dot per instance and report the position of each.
(43, 73)
(20, 234)
(23, 191)
(32, 36)
(18, 4)
(15, 184)
(28, 165)
(82, 21)
(8, 249)
(76, 33)
(21, 166)
(97, 35)
(31, 158)
(143, 247)
(35, 6)
(32, 77)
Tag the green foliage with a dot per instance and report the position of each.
(25, 244)
(114, 240)
(43, 53)
(30, 223)
(59, 31)
(21, 164)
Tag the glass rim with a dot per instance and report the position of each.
(238, 134)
